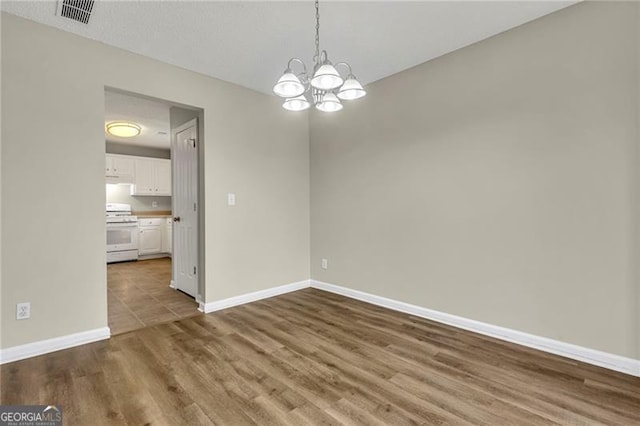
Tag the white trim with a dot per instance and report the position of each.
(41, 347)
(252, 297)
(590, 356)
(154, 256)
(580, 353)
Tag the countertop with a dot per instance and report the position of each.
(148, 214)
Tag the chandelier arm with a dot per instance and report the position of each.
(346, 65)
(323, 57)
(301, 62)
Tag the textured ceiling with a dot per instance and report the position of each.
(152, 116)
(249, 43)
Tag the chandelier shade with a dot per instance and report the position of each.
(329, 103)
(326, 78)
(289, 86)
(351, 89)
(325, 87)
(299, 103)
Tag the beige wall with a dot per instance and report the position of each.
(53, 242)
(494, 183)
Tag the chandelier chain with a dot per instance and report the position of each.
(317, 57)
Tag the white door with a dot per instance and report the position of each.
(184, 155)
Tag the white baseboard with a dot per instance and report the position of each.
(568, 350)
(587, 355)
(41, 347)
(252, 297)
(154, 256)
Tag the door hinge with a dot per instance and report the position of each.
(194, 142)
(194, 270)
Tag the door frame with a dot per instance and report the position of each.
(201, 122)
(195, 122)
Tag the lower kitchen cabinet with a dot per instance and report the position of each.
(167, 236)
(155, 236)
(150, 241)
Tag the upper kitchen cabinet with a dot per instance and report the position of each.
(119, 169)
(163, 177)
(152, 177)
(144, 182)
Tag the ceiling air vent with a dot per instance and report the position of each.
(77, 10)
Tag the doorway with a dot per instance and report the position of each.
(152, 189)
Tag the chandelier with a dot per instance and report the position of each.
(325, 88)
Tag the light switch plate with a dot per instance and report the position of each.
(231, 199)
(325, 264)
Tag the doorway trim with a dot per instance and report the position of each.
(201, 291)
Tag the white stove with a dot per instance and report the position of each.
(122, 233)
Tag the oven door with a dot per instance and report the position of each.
(122, 236)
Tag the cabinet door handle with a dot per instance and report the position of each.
(176, 219)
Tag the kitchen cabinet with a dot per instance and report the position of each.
(163, 176)
(150, 241)
(144, 182)
(155, 235)
(152, 177)
(167, 236)
(119, 168)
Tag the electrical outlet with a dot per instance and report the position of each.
(154, 204)
(23, 310)
(325, 264)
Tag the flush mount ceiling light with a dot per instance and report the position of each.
(123, 129)
(324, 88)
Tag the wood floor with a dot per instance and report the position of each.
(312, 357)
(139, 295)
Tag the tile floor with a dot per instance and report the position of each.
(139, 295)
